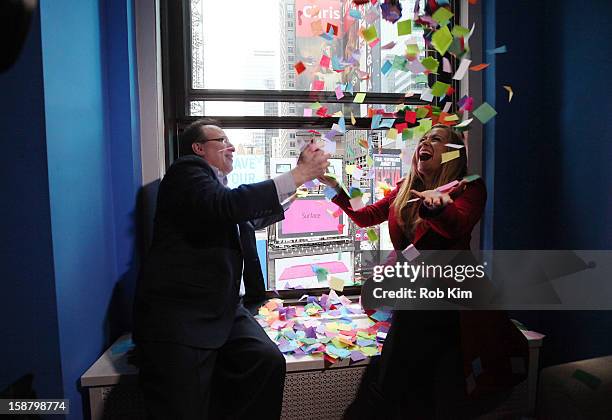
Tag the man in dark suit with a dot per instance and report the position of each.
(201, 353)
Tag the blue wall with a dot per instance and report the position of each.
(28, 310)
(549, 151)
(73, 169)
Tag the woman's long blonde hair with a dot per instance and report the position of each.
(406, 213)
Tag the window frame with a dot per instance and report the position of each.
(178, 93)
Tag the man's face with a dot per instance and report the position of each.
(216, 149)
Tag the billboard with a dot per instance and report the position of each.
(387, 168)
(312, 215)
(247, 170)
(309, 11)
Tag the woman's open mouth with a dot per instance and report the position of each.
(424, 155)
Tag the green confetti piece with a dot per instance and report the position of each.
(355, 192)
(407, 134)
(421, 78)
(457, 50)
(442, 39)
(421, 112)
(370, 34)
(315, 106)
(425, 125)
(412, 50)
(442, 15)
(322, 274)
(471, 178)
(399, 62)
(439, 89)
(430, 64)
(404, 27)
(460, 31)
(485, 113)
(586, 378)
(372, 236)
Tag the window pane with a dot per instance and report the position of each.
(258, 48)
(280, 109)
(264, 153)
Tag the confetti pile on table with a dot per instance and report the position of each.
(324, 326)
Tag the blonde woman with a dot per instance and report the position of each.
(422, 343)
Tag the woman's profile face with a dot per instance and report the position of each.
(429, 151)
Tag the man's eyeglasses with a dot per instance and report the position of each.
(224, 140)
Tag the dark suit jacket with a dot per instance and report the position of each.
(188, 286)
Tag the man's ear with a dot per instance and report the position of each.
(197, 149)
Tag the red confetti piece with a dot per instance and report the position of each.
(333, 27)
(299, 67)
(479, 67)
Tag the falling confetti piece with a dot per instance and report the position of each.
(510, 92)
(479, 67)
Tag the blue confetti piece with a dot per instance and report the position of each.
(387, 123)
(336, 63)
(376, 121)
(386, 67)
(329, 192)
(356, 14)
(498, 50)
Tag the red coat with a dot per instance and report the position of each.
(487, 337)
(450, 229)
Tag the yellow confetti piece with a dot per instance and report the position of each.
(383, 185)
(336, 284)
(311, 311)
(344, 340)
(369, 351)
(339, 343)
(331, 326)
(353, 121)
(510, 92)
(448, 156)
(344, 327)
(392, 133)
(359, 97)
(350, 169)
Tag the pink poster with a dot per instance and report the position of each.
(328, 11)
(310, 216)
